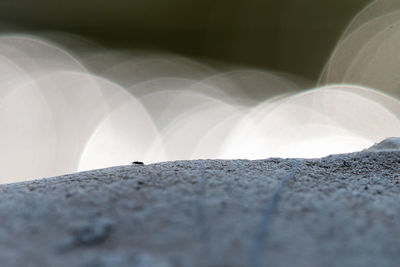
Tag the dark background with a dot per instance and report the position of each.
(295, 36)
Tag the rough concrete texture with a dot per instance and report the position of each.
(341, 210)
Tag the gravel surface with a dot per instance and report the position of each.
(341, 210)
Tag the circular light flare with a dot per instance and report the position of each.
(346, 50)
(138, 68)
(377, 59)
(37, 56)
(375, 9)
(27, 139)
(187, 117)
(382, 70)
(124, 135)
(267, 128)
(209, 145)
(89, 122)
(367, 52)
(250, 86)
(11, 76)
(79, 102)
(326, 114)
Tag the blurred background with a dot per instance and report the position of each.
(94, 84)
(294, 36)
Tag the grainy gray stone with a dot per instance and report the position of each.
(341, 210)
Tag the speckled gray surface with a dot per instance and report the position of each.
(341, 210)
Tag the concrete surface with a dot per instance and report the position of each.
(341, 210)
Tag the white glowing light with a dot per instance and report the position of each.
(191, 117)
(79, 102)
(126, 133)
(27, 137)
(60, 114)
(328, 145)
(326, 114)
